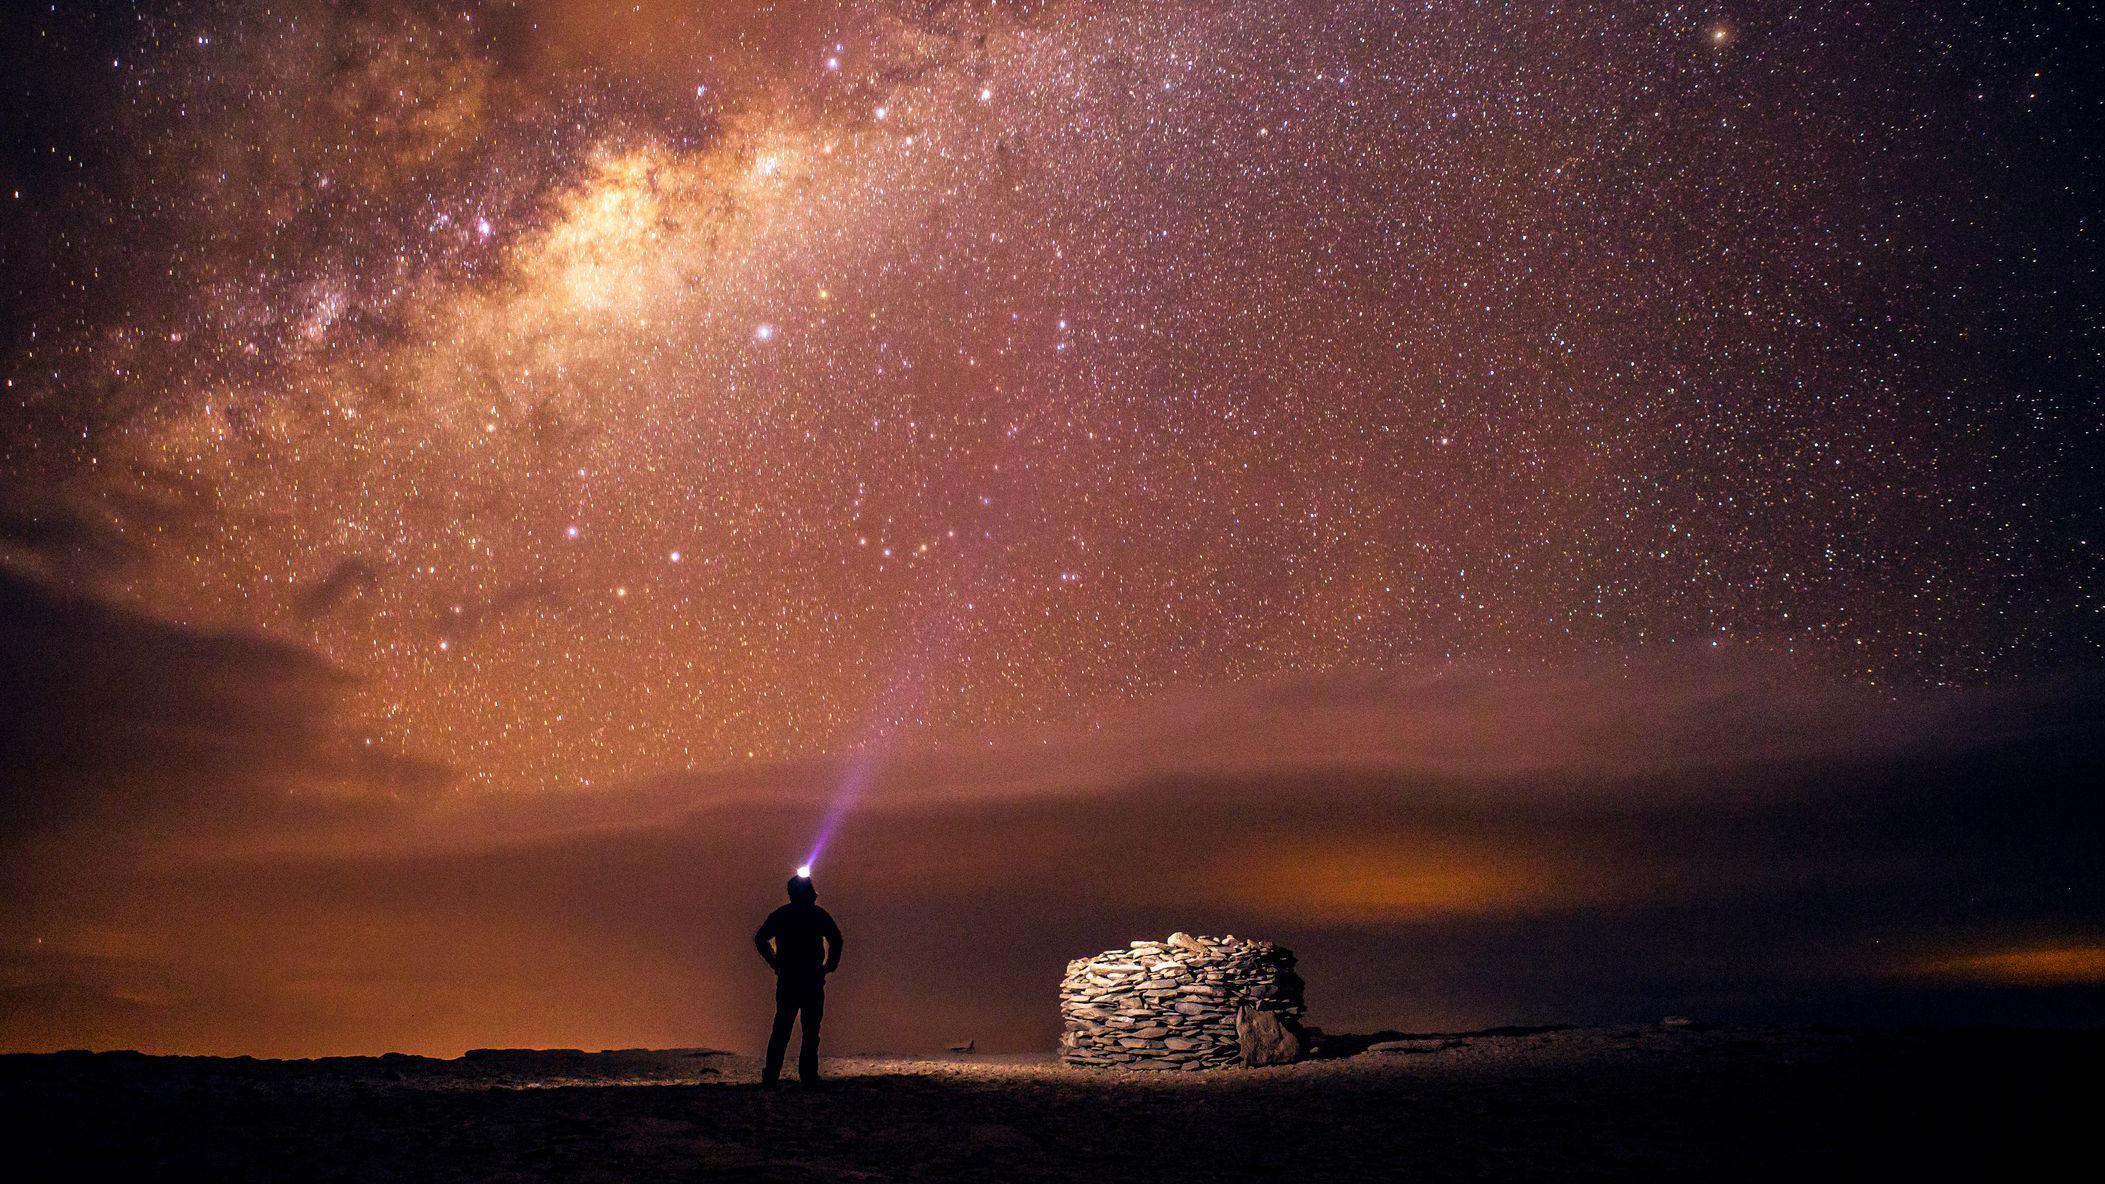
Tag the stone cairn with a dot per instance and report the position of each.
(1172, 1004)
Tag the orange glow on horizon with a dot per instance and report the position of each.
(2052, 965)
(1376, 880)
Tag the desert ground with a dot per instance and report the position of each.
(1688, 1102)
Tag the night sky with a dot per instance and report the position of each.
(1552, 511)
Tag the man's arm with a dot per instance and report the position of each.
(833, 944)
(761, 937)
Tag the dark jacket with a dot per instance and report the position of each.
(807, 944)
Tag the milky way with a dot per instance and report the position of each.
(613, 393)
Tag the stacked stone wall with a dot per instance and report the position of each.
(1172, 1004)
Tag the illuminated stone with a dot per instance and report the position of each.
(1219, 1002)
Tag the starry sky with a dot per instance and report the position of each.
(415, 408)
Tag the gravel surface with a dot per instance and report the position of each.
(1654, 1102)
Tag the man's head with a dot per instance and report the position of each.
(802, 890)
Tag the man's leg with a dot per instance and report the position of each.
(814, 1013)
(778, 1037)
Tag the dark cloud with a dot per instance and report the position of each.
(1523, 867)
(127, 724)
(67, 542)
(347, 579)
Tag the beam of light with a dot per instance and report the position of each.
(856, 778)
(902, 700)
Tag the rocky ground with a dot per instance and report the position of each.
(1655, 1102)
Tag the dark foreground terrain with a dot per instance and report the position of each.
(1655, 1102)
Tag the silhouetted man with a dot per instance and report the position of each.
(806, 947)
